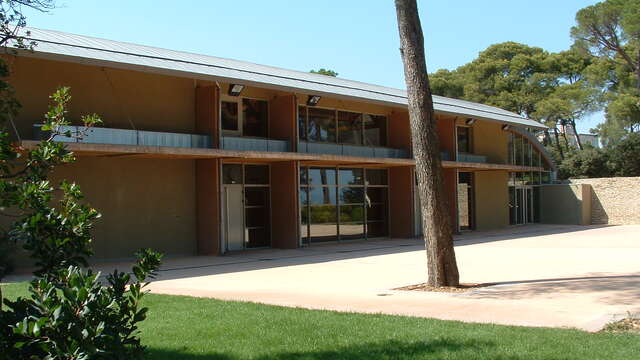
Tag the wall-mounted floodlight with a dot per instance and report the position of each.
(313, 100)
(506, 127)
(235, 89)
(470, 121)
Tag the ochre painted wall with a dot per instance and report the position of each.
(208, 218)
(491, 199)
(143, 202)
(152, 102)
(490, 140)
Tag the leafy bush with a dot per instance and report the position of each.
(587, 163)
(625, 156)
(71, 314)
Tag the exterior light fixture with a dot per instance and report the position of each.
(235, 89)
(506, 127)
(313, 100)
(470, 121)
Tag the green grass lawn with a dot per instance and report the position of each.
(187, 328)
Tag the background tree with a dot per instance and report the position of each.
(610, 32)
(323, 71)
(441, 258)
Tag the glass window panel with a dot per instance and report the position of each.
(349, 128)
(257, 217)
(376, 176)
(302, 122)
(322, 176)
(546, 177)
(254, 118)
(304, 197)
(464, 139)
(304, 176)
(375, 130)
(512, 206)
(351, 213)
(351, 195)
(322, 214)
(377, 213)
(351, 176)
(527, 156)
(320, 195)
(232, 174)
(376, 195)
(351, 231)
(536, 158)
(229, 116)
(322, 125)
(256, 196)
(510, 148)
(256, 174)
(258, 238)
(377, 229)
(518, 150)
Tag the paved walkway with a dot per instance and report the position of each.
(545, 275)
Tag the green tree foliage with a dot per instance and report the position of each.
(610, 32)
(323, 71)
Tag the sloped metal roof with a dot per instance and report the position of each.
(56, 45)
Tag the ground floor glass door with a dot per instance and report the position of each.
(246, 209)
(523, 205)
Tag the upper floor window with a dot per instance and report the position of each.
(251, 121)
(464, 139)
(343, 127)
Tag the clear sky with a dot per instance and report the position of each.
(356, 38)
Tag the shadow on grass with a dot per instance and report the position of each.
(392, 349)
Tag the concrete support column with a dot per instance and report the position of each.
(208, 207)
(401, 210)
(284, 205)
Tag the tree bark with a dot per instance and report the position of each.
(438, 236)
(555, 133)
(575, 133)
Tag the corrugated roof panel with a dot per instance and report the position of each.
(89, 50)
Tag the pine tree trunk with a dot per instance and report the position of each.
(438, 236)
(575, 132)
(555, 133)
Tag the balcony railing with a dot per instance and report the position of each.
(97, 135)
(472, 158)
(253, 144)
(351, 150)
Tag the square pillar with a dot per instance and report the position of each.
(401, 210)
(208, 206)
(284, 205)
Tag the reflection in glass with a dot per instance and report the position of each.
(322, 125)
(322, 176)
(349, 128)
(351, 195)
(464, 139)
(232, 174)
(229, 115)
(518, 150)
(375, 130)
(322, 195)
(376, 195)
(351, 231)
(256, 196)
(256, 174)
(254, 118)
(302, 122)
(351, 176)
(351, 213)
(258, 237)
(376, 176)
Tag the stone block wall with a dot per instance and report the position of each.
(614, 201)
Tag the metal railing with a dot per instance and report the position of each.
(351, 150)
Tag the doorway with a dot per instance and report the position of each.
(523, 208)
(246, 209)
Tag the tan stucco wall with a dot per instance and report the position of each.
(152, 102)
(492, 199)
(614, 200)
(491, 141)
(143, 202)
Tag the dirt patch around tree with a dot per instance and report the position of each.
(628, 325)
(448, 289)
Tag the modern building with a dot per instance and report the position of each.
(204, 155)
(586, 139)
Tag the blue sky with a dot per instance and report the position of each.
(356, 38)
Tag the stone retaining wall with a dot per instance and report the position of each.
(614, 200)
